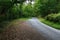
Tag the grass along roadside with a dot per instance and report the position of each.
(52, 24)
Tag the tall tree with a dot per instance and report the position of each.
(7, 4)
(28, 9)
(46, 7)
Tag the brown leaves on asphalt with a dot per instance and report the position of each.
(19, 30)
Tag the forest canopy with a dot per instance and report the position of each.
(12, 9)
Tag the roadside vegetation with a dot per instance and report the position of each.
(53, 20)
(51, 24)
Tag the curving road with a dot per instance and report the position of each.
(46, 31)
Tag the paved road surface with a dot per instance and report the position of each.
(46, 31)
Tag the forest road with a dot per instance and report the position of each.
(45, 30)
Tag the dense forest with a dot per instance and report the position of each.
(14, 9)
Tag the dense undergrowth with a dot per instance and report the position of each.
(50, 23)
(53, 17)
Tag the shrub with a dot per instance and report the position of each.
(53, 17)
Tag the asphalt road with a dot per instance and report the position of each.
(46, 31)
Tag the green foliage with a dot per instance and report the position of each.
(53, 17)
(51, 24)
(10, 9)
(27, 10)
(7, 4)
(46, 7)
(4, 6)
